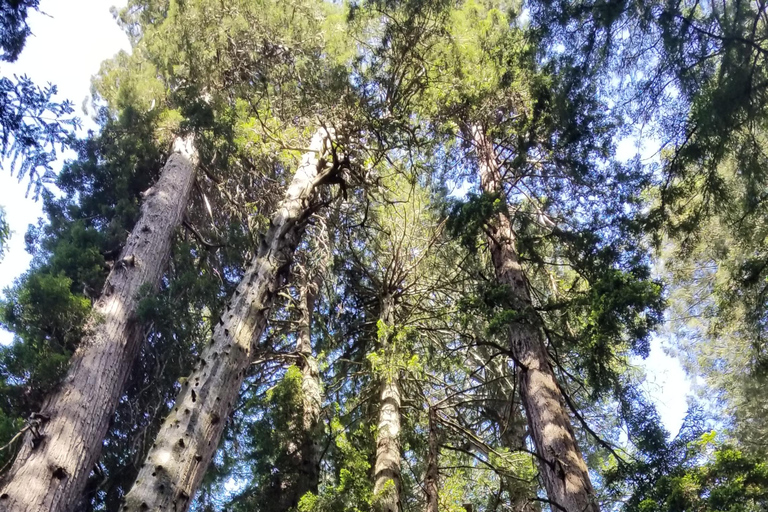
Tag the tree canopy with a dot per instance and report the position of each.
(414, 271)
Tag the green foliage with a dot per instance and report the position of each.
(48, 318)
(353, 492)
(5, 233)
(405, 85)
(33, 127)
(13, 27)
(713, 478)
(467, 219)
(693, 74)
(32, 124)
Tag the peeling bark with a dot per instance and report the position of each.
(185, 445)
(562, 466)
(387, 481)
(51, 470)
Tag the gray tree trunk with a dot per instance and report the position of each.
(52, 468)
(387, 481)
(304, 451)
(562, 466)
(311, 395)
(185, 445)
(431, 484)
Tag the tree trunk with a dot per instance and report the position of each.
(53, 464)
(562, 466)
(304, 453)
(311, 395)
(433, 474)
(387, 484)
(185, 445)
(502, 409)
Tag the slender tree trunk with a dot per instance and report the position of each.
(502, 409)
(311, 395)
(185, 445)
(433, 474)
(562, 466)
(387, 484)
(305, 452)
(52, 467)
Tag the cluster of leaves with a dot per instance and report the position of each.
(14, 29)
(5, 232)
(710, 476)
(32, 124)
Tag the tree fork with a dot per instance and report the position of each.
(52, 467)
(177, 461)
(562, 466)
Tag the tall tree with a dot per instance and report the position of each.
(311, 391)
(59, 451)
(387, 486)
(177, 462)
(562, 466)
(693, 75)
(541, 148)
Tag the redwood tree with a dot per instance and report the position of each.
(64, 442)
(185, 445)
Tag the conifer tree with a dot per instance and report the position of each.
(563, 469)
(185, 444)
(465, 351)
(694, 75)
(538, 145)
(59, 451)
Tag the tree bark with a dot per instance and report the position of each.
(433, 474)
(304, 453)
(185, 445)
(52, 467)
(387, 482)
(311, 395)
(562, 466)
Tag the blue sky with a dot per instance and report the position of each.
(71, 40)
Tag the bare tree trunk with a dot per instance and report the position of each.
(52, 467)
(387, 484)
(433, 474)
(311, 395)
(562, 466)
(185, 445)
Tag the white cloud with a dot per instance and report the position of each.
(667, 385)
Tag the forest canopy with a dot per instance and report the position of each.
(388, 256)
